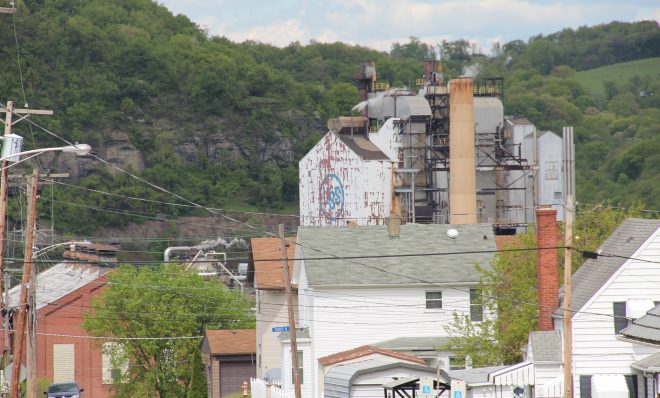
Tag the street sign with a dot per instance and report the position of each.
(458, 388)
(278, 329)
(426, 387)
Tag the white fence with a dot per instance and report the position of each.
(261, 389)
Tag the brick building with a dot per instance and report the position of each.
(64, 294)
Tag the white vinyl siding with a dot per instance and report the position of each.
(343, 318)
(595, 347)
(273, 314)
(63, 363)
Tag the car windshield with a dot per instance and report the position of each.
(63, 387)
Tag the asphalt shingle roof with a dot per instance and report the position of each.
(623, 242)
(646, 328)
(414, 239)
(546, 346)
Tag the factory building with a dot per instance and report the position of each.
(445, 153)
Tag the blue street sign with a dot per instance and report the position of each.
(278, 329)
(458, 394)
(426, 389)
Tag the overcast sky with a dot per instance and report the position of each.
(379, 23)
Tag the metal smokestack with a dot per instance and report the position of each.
(462, 167)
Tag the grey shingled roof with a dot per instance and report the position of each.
(428, 343)
(646, 328)
(373, 240)
(593, 274)
(58, 281)
(546, 346)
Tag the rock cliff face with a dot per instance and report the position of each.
(218, 140)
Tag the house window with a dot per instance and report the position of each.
(620, 320)
(631, 382)
(63, 363)
(113, 362)
(433, 299)
(476, 308)
(456, 363)
(585, 386)
(300, 369)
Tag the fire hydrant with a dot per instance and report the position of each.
(245, 388)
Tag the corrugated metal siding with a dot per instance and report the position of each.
(63, 363)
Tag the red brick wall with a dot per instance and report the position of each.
(547, 271)
(64, 317)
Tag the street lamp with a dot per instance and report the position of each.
(11, 155)
(12, 145)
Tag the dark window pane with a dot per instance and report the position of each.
(476, 309)
(585, 386)
(433, 299)
(631, 381)
(620, 321)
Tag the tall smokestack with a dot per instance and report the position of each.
(462, 167)
(546, 267)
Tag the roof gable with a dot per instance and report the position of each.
(230, 341)
(595, 273)
(67, 277)
(395, 261)
(364, 351)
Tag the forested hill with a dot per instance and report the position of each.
(224, 123)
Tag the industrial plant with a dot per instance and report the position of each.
(444, 153)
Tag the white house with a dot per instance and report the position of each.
(367, 284)
(271, 316)
(609, 292)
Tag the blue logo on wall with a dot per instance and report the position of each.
(331, 194)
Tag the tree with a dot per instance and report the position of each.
(510, 290)
(169, 304)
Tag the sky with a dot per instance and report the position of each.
(379, 23)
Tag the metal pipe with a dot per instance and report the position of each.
(166, 256)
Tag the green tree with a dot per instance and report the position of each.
(510, 291)
(162, 302)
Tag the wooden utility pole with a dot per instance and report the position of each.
(21, 311)
(569, 212)
(9, 111)
(292, 320)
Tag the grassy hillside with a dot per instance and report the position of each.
(618, 73)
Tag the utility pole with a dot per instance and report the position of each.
(4, 174)
(21, 312)
(569, 191)
(10, 111)
(292, 321)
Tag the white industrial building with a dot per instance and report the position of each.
(397, 160)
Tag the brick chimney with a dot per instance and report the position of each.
(546, 267)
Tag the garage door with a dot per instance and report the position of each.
(232, 376)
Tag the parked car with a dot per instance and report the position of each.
(64, 390)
